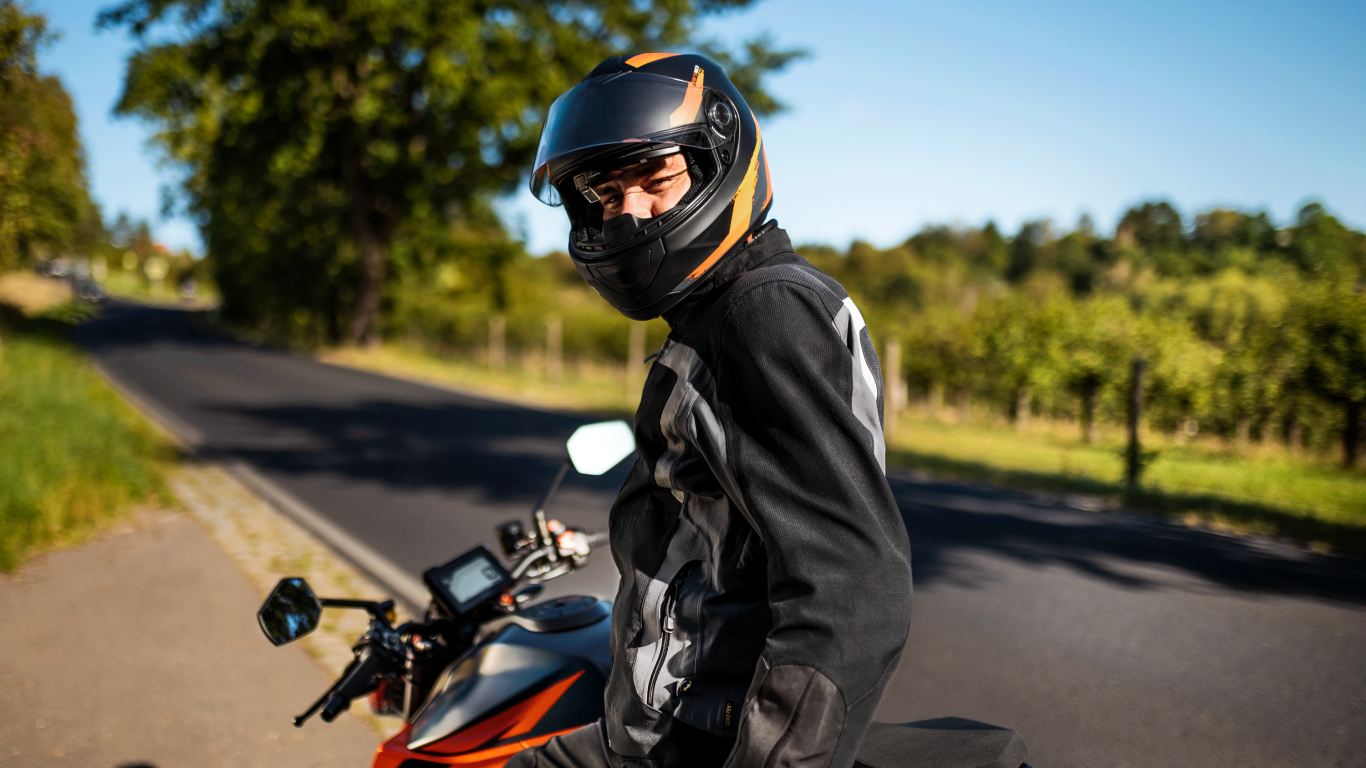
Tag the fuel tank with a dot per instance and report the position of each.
(542, 673)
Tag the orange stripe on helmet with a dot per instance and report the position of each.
(742, 206)
(641, 59)
(692, 100)
(768, 180)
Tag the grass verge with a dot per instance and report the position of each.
(74, 458)
(601, 390)
(1269, 493)
(129, 285)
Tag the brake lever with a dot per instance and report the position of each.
(317, 705)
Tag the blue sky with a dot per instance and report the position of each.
(912, 113)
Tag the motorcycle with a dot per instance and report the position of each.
(487, 673)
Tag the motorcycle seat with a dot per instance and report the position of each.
(946, 742)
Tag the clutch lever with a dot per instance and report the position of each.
(317, 705)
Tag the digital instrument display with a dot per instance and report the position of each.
(464, 583)
(470, 579)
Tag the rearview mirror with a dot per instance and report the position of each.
(291, 611)
(596, 448)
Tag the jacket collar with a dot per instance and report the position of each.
(770, 242)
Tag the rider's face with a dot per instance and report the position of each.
(646, 189)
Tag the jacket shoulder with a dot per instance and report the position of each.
(791, 280)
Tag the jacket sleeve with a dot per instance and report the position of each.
(798, 387)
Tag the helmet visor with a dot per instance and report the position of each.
(609, 111)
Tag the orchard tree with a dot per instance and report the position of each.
(1322, 247)
(317, 134)
(1332, 325)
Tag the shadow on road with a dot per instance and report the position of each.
(413, 438)
(943, 518)
(504, 452)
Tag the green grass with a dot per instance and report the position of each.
(129, 285)
(74, 458)
(587, 387)
(1262, 490)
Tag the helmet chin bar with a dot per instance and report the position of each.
(622, 229)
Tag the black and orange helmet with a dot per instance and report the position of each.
(632, 108)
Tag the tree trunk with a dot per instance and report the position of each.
(1090, 398)
(1351, 436)
(372, 237)
(554, 348)
(936, 398)
(1294, 434)
(1244, 433)
(1134, 455)
(369, 287)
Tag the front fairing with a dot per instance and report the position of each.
(515, 685)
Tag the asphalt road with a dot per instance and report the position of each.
(1105, 639)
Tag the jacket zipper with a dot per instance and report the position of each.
(667, 623)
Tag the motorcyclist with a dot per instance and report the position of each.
(765, 570)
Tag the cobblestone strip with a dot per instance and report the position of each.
(267, 546)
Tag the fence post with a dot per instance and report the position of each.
(497, 342)
(554, 348)
(1024, 399)
(1134, 455)
(893, 387)
(635, 357)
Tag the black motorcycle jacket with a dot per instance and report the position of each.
(765, 588)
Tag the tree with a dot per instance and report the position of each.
(1096, 340)
(1027, 250)
(1332, 320)
(319, 133)
(1153, 226)
(1021, 336)
(1321, 246)
(44, 203)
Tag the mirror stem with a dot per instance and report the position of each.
(542, 526)
(375, 609)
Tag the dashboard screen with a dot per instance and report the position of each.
(472, 578)
(465, 582)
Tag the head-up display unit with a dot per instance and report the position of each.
(464, 583)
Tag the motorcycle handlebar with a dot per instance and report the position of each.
(358, 677)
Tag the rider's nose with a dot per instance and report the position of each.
(639, 203)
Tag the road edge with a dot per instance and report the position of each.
(383, 571)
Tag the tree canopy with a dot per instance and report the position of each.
(326, 139)
(45, 207)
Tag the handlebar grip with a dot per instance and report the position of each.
(356, 682)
